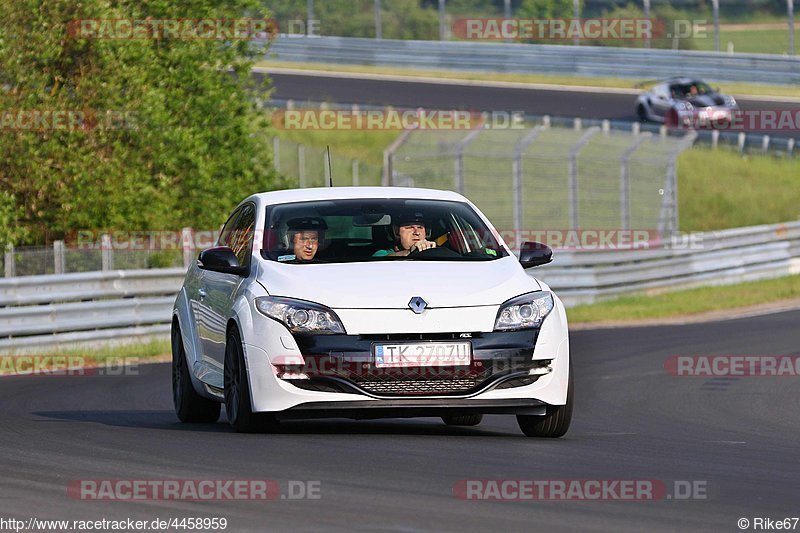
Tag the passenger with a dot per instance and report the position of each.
(304, 236)
(410, 235)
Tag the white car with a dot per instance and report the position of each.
(368, 302)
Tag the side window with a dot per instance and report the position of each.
(227, 230)
(242, 235)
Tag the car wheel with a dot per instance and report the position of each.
(463, 420)
(641, 113)
(189, 406)
(237, 391)
(556, 420)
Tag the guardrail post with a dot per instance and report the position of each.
(741, 140)
(276, 153)
(107, 252)
(790, 147)
(574, 219)
(714, 139)
(301, 165)
(187, 242)
(10, 266)
(765, 143)
(58, 257)
(355, 172)
(578, 124)
(636, 128)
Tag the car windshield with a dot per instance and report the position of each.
(696, 88)
(336, 231)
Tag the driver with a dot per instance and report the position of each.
(304, 235)
(409, 229)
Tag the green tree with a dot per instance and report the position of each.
(175, 136)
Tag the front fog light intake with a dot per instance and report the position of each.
(523, 312)
(300, 316)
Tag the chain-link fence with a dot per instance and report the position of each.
(308, 166)
(549, 177)
(752, 26)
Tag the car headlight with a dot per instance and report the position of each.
(526, 311)
(300, 316)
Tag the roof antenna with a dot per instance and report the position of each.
(330, 167)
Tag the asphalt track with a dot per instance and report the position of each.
(632, 421)
(412, 94)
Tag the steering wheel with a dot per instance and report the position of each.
(433, 252)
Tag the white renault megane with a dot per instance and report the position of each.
(368, 302)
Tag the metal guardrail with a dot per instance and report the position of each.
(716, 258)
(86, 308)
(594, 61)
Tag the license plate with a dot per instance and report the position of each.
(423, 354)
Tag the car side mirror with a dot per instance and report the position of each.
(221, 259)
(533, 254)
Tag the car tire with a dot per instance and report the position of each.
(641, 113)
(189, 406)
(555, 421)
(237, 391)
(462, 420)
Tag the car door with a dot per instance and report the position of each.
(221, 289)
(661, 101)
(205, 317)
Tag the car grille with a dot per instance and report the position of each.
(419, 386)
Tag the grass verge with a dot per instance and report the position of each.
(739, 89)
(688, 302)
(72, 360)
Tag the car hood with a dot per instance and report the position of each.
(707, 100)
(392, 284)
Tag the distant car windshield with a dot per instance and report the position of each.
(688, 90)
(336, 231)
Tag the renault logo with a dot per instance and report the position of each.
(417, 304)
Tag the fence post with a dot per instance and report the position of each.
(378, 24)
(107, 252)
(516, 173)
(187, 242)
(460, 147)
(576, 14)
(388, 157)
(647, 17)
(625, 181)
(442, 22)
(276, 153)
(668, 218)
(715, 7)
(10, 266)
(355, 172)
(58, 257)
(790, 13)
(574, 219)
(301, 165)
